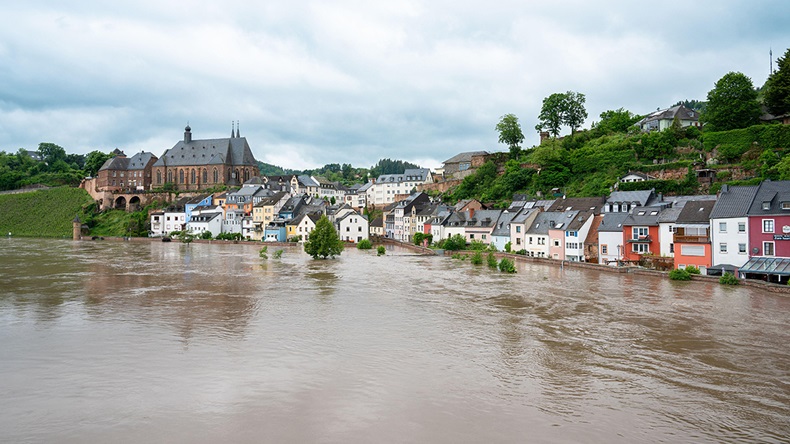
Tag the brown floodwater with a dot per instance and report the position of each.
(164, 342)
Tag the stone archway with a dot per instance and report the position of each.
(120, 203)
(134, 203)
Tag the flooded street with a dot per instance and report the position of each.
(165, 342)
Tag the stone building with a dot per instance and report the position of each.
(199, 164)
(121, 173)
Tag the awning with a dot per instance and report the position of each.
(767, 265)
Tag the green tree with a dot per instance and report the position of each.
(51, 153)
(616, 121)
(550, 117)
(574, 112)
(732, 104)
(93, 161)
(776, 91)
(510, 134)
(324, 241)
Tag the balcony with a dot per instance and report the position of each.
(690, 239)
(641, 240)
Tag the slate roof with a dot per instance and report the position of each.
(227, 151)
(523, 215)
(612, 222)
(543, 222)
(696, 213)
(639, 197)
(271, 200)
(306, 181)
(734, 201)
(503, 224)
(775, 193)
(643, 216)
(593, 204)
(377, 222)
(197, 199)
(465, 157)
(680, 111)
(483, 218)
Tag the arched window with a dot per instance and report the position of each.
(236, 172)
(158, 177)
(246, 174)
(192, 177)
(229, 175)
(216, 176)
(170, 176)
(180, 176)
(205, 175)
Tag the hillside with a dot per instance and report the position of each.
(45, 213)
(590, 163)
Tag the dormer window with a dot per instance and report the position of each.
(786, 205)
(766, 205)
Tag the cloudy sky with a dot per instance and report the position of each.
(316, 82)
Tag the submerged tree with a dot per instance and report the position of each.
(324, 241)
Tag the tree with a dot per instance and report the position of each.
(51, 153)
(616, 121)
(732, 104)
(94, 160)
(777, 88)
(324, 241)
(562, 109)
(550, 116)
(510, 134)
(574, 113)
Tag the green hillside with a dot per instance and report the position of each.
(44, 213)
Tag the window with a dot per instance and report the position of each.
(640, 248)
(541, 241)
(518, 241)
(639, 232)
(483, 237)
(766, 206)
(518, 228)
(359, 229)
(671, 248)
(471, 236)
(741, 227)
(571, 233)
(768, 225)
(604, 249)
(786, 205)
(768, 248)
(556, 242)
(530, 240)
(722, 247)
(205, 176)
(692, 250)
(741, 248)
(180, 176)
(158, 177)
(722, 227)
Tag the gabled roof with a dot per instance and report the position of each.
(775, 193)
(483, 218)
(679, 111)
(306, 181)
(697, 213)
(554, 220)
(612, 222)
(503, 224)
(641, 216)
(638, 197)
(734, 201)
(231, 151)
(593, 204)
(140, 160)
(197, 199)
(271, 200)
(523, 215)
(465, 157)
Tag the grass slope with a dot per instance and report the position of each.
(44, 213)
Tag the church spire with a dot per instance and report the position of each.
(231, 129)
(237, 129)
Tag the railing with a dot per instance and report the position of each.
(691, 239)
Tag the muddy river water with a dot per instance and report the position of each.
(164, 342)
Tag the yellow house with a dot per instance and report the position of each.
(304, 224)
(265, 212)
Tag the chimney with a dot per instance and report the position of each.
(471, 213)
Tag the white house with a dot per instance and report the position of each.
(610, 238)
(729, 227)
(575, 235)
(387, 186)
(232, 222)
(203, 222)
(305, 224)
(663, 118)
(352, 227)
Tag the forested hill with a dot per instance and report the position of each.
(589, 163)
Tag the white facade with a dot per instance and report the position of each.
(173, 221)
(730, 241)
(610, 247)
(666, 238)
(200, 223)
(352, 227)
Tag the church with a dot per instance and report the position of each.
(198, 164)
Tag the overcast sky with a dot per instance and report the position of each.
(316, 82)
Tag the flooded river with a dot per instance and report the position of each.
(157, 342)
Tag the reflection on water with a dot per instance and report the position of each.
(109, 341)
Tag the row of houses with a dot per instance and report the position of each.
(742, 229)
(272, 211)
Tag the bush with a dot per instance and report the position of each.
(508, 246)
(477, 245)
(477, 258)
(206, 235)
(492, 261)
(278, 254)
(381, 250)
(418, 238)
(679, 275)
(364, 244)
(455, 243)
(506, 266)
(728, 279)
(263, 252)
(692, 270)
(522, 252)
